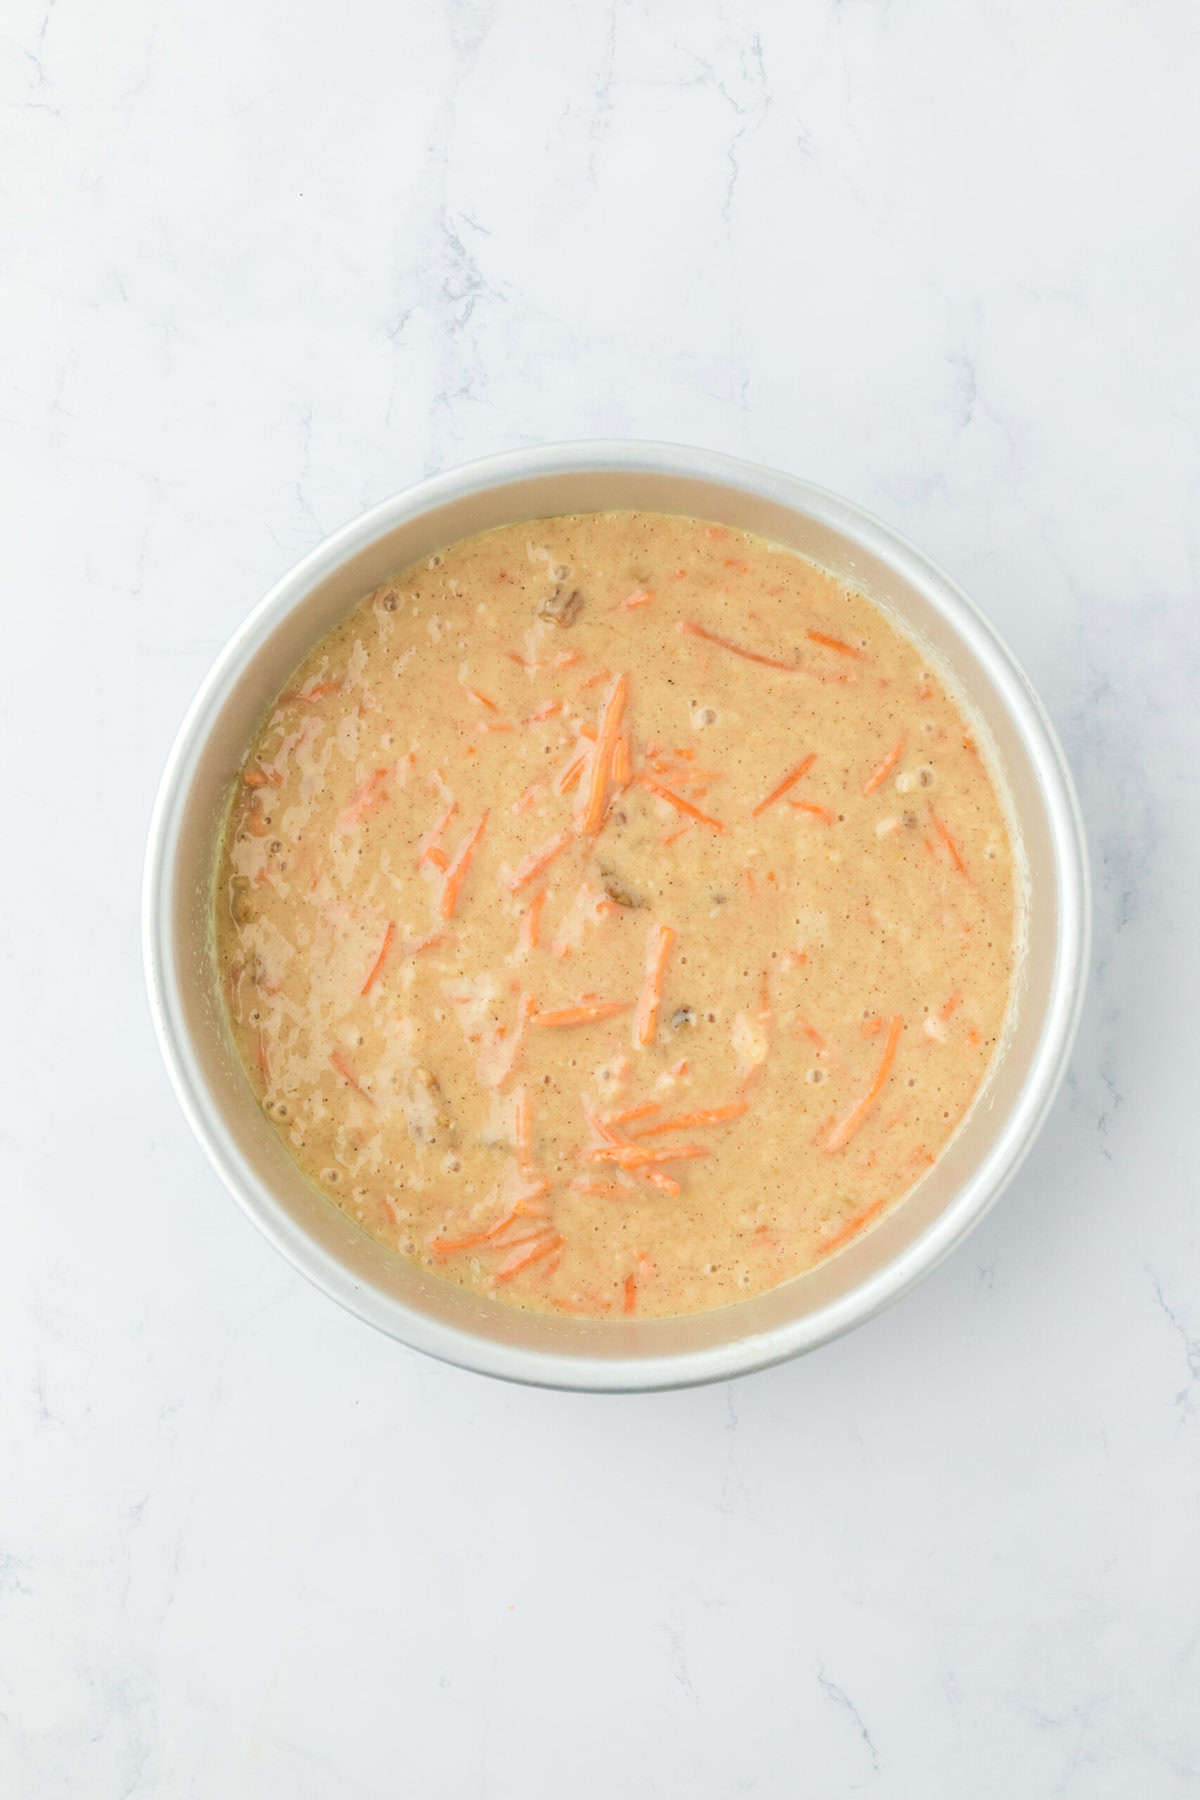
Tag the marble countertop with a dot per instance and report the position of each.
(262, 273)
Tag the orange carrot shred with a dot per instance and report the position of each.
(622, 762)
(522, 1139)
(705, 1115)
(789, 781)
(377, 965)
(523, 1258)
(629, 1302)
(882, 770)
(429, 843)
(811, 806)
(366, 799)
(634, 1112)
(658, 947)
(678, 802)
(600, 767)
(531, 921)
(871, 1027)
(536, 861)
(951, 1007)
(602, 1190)
(264, 1058)
(754, 656)
(581, 1015)
(480, 699)
(639, 597)
(546, 710)
(666, 1184)
(347, 1073)
(456, 873)
(852, 1227)
(635, 1156)
(841, 1134)
(569, 776)
(832, 643)
(952, 847)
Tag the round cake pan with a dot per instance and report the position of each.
(404, 1299)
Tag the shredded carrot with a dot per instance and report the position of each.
(377, 965)
(973, 1038)
(319, 692)
(666, 1184)
(622, 762)
(639, 597)
(525, 800)
(568, 777)
(630, 1293)
(531, 920)
(346, 1072)
(426, 943)
(480, 699)
(562, 659)
(429, 844)
(436, 856)
(526, 1008)
(951, 1007)
(832, 643)
(852, 1227)
(789, 781)
(264, 1058)
(633, 1156)
(841, 1134)
(581, 1015)
(882, 770)
(680, 1069)
(522, 1128)
(678, 802)
(754, 656)
(365, 799)
(952, 847)
(523, 1258)
(658, 948)
(871, 1027)
(600, 766)
(536, 861)
(456, 873)
(810, 806)
(572, 1304)
(594, 680)
(634, 1112)
(706, 1115)
(546, 710)
(810, 1032)
(601, 1190)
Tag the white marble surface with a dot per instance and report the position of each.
(260, 273)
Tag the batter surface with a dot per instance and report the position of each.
(616, 914)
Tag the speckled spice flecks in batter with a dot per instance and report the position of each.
(616, 914)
